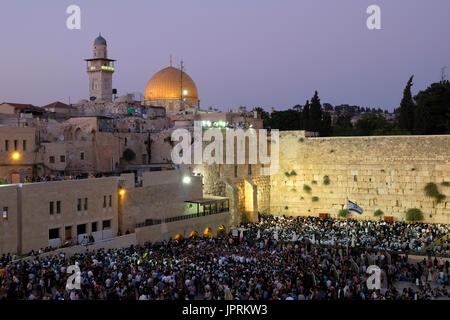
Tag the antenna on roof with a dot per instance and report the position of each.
(170, 60)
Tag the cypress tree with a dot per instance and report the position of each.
(315, 116)
(305, 117)
(407, 108)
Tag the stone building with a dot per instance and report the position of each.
(173, 89)
(168, 203)
(100, 70)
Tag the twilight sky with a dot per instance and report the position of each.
(269, 53)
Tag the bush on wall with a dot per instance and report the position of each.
(326, 180)
(343, 213)
(315, 199)
(414, 215)
(378, 213)
(432, 191)
(307, 188)
(290, 174)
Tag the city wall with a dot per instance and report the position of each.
(384, 172)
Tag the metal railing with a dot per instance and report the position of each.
(153, 222)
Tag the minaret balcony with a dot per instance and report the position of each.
(100, 68)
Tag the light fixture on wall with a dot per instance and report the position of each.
(122, 192)
(187, 180)
(16, 156)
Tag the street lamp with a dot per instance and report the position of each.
(122, 192)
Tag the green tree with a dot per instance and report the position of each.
(432, 114)
(315, 115)
(285, 120)
(325, 125)
(343, 127)
(407, 108)
(305, 116)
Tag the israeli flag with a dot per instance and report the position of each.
(354, 207)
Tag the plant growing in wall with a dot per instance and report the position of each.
(314, 182)
(306, 188)
(445, 183)
(285, 208)
(432, 191)
(414, 215)
(326, 180)
(290, 174)
(315, 199)
(378, 213)
(301, 139)
(343, 213)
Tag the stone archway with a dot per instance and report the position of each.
(251, 200)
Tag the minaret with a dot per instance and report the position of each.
(100, 70)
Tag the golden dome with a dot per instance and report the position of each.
(166, 85)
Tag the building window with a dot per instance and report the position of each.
(5, 213)
(85, 204)
(24, 145)
(249, 169)
(106, 224)
(52, 208)
(235, 171)
(15, 145)
(6, 145)
(58, 206)
(126, 142)
(81, 229)
(51, 159)
(53, 234)
(144, 159)
(79, 205)
(62, 158)
(94, 227)
(110, 201)
(82, 156)
(104, 201)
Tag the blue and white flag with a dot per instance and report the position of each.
(354, 207)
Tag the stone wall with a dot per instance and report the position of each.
(9, 225)
(184, 227)
(387, 173)
(162, 196)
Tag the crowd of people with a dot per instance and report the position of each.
(263, 264)
(60, 177)
(380, 235)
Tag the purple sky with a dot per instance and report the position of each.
(270, 53)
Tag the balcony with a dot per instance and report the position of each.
(194, 209)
